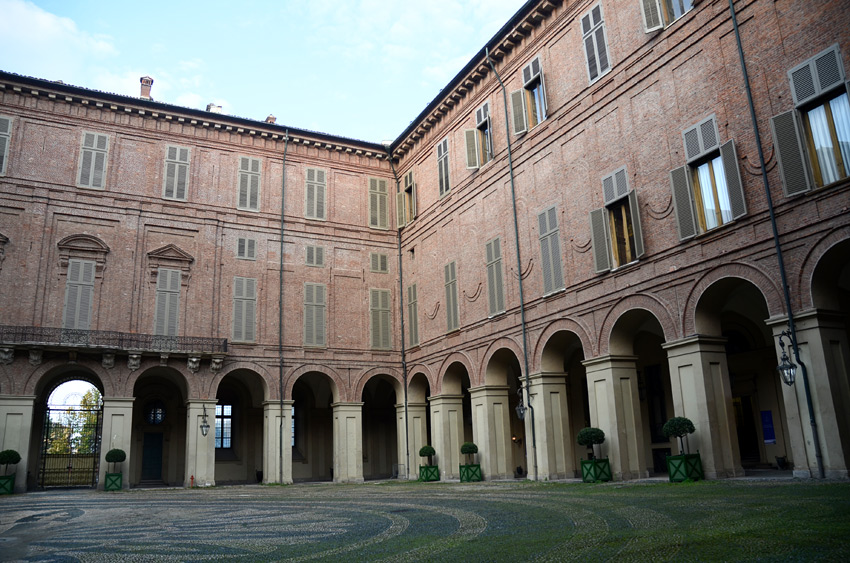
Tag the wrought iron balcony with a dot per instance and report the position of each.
(105, 340)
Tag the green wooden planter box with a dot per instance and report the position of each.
(429, 473)
(7, 484)
(470, 473)
(112, 482)
(593, 470)
(686, 467)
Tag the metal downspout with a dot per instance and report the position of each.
(785, 290)
(401, 309)
(518, 267)
(280, 311)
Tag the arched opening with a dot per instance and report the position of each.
(158, 455)
(239, 429)
(380, 436)
(312, 428)
(508, 455)
(451, 420)
(419, 420)
(456, 382)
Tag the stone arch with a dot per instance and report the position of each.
(46, 374)
(425, 371)
(728, 291)
(560, 325)
(649, 303)
(811, 261)
(494, 348)
(364, 378)
(455, 358)
(252, 379)
(337, 384)
(746, 272)
(174, 374)
(262, 373)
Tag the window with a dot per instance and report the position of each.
(443, 166)
(479, 141)
(223, 426)
(167, 302)
(93, 161)
(314, 194)
(452, 322)
(658, 14)
(244, 309)
(379, 310)
(550, 251)
(315, 256)
(5, 141)
(246, 248)
(406, 201)
(378, 263)
(249, 184)
(176, 173)
(495, 287)
(813, 139)
(155, 412)
(79, 289)
(378, 210)
(595, 43)
(314, 314)
(413, 320)
(615, 229)
(529, 104)
(707, 192)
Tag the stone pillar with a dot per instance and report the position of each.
(277, 454)
(822, 338)
(491, 430)
(16, 433)
(200, 449)
(348, 442)
(117, 433)
(555, 453)
(615, 409)
(699, 381)
(447, 433)
(417, 436)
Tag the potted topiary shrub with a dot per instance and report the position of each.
(685, 466)
(471, 471)
(428, 472)
(114, 481)
(593, 469)
(7, 482)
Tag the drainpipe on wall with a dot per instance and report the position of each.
(785, 290)
(280, 310)
(518, 268)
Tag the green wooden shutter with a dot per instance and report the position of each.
(320, 315)
(380, 318)
(400, 219)
(310, 201)
(244, 181)
(733, 179)
(383, 205)
(652, 15)
(683, 202)
(249, 183)
(412, 313)
(600, 238)
(373, 203)
(170, 179)
(518, 112)
(637, 230)
(791, 153)
(471, 138)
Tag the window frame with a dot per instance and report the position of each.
(379, 209)
(379, 263)
(179, 165)
(167, 300)
(619, 199)
(249, 174)
(452, 305)
(495, 277)
(246, 248)
(315, 309)
(443, 177)
(406, 201)
(319, 185)
(220, 418)
(93, 151)
(318, 256)
(6, 139)
(244, 327)
(380, 319)
(550, 245)
(662, 18)
(79, 294)
(479, 141)
(591, 33)
(413, 315)
(527, 111)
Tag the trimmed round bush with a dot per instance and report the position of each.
(115, 456)
(468, 448)
(9, 457)
(678, 426)
(590, 436)
(427, 451)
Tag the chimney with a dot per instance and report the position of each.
(147, 82)
(212, 108)
(271, 119)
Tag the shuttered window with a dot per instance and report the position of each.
(550, 251)
(595, 43)
(406, 201)
(244, 309)
(5, 141)
(379, 310)
(167, 302)
(315, 256)
(314, 314)
(658, 14)
(443, 166)
(315, 194)
(378, 263)
(413, 315)
(249, 184)
(93, 157)
(479, 141)
(378, 206)
(615, 229)
(495, 280)
(452, 317)
(528, 105)
(246, 248)
(79, 291)
(176, 173)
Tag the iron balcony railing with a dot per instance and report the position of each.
(110, 340)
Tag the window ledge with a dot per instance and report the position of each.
(626, 266)
(497, 315)
(554, 293)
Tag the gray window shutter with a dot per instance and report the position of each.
(683, 202)
(238, 309)
(592, 68)
(495, 289)
(320, 256)
(320, 315)
(452, 315)
(790, 153)
(385, 320)
(400, 219)
(733, 179)
(251, 251)
(243, 190)
(599, 238)
(382, 263)
(413, 320)
(310, 201)
(637, 231)
(545, 111)
(652, 15)
(602, 49)
(383, 206)
(701, 138)
(471, 138)
(550, 251)
(99, 168)
(311, 255)
(320, 201)
(5, 136)
(443, 166)
(254, 193)
(167, 302)
(314, 314)
(170, 178)
(816, 76)
(79, 290)
(518, 111)
(380, 318)
(373, 205)
(240, 248)
(375, 321)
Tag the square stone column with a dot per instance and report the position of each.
(16, 414)
(116, 433)
(417, 436)
(200, 449)
(491, 430)
(555, 450)
(447, 433)
(615, 409)
(822, 338)
(348, 442)
(277, 442)
(702, 392)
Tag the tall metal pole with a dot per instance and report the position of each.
(280, 311)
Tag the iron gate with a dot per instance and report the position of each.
(70, 450)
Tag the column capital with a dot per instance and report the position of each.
(543, 376)
(608, 360)
(286, 403)
(484, 389)
(117, 401)
(347, 406)
(199, 402)
(445, 397)
(695, 342)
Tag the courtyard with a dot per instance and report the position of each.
(743, 520)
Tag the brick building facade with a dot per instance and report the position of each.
(577, 226)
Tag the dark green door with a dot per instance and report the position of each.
(152, 457)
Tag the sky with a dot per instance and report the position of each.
(362, 69)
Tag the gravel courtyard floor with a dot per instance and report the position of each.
(743, 520)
